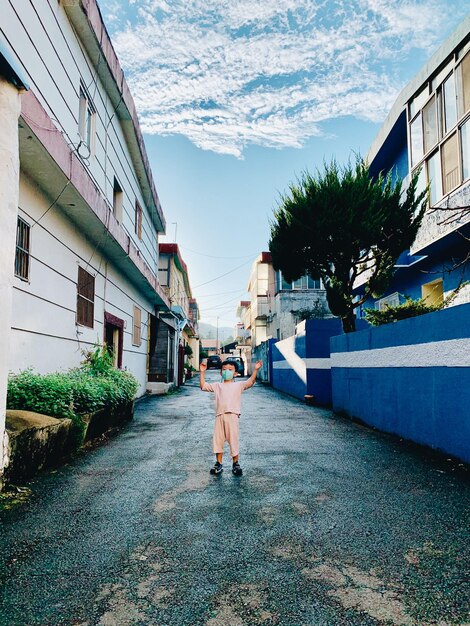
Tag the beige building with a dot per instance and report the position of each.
(262, 279)
(177, 341)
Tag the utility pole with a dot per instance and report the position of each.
(217, 338)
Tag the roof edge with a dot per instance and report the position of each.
(439, 58)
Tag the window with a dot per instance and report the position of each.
(449, 103)
(136, 333)
(430, 124)
(434, 178)
(313, 283)
(418, 101)
(86, 121)
(300, 283)
(450, 163)
(23, 232)
(117, 200)
(284, 283)
(433, 292)
(465, 84)
(421, 183)
(138, 220)
(465, 143)
(391, 300)
(164, 272)
(416, 130)
(85, 298)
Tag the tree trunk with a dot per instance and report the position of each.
(349, 322)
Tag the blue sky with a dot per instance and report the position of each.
(236, 98)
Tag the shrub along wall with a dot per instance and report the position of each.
(71, 395)
(95, 387)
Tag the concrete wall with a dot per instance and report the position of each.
(9, 174)
(301, 363)
(411, 378)
(263, 352)
(284, 305)
(45, 335)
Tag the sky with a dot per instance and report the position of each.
(236, 98)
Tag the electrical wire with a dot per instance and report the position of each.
(210, 256)
(52, 204)
(222, 275)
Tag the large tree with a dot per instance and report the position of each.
(341, 223)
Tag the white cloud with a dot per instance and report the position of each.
(228, 74)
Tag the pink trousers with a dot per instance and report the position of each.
(226, 428)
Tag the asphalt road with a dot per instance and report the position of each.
(332, 524)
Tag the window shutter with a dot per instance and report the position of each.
(136, 335)
(85, 298)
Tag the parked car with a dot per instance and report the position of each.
(239, 363)
(214, 361)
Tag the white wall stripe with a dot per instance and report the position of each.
(449, 353)
(312, 363)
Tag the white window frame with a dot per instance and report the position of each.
(87, 120)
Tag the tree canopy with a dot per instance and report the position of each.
(340, 224)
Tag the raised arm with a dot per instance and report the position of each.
(251, 381)
(202, 374)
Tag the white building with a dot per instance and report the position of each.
(277, 306)
(289, 303)
(86, 265)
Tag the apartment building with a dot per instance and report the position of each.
(428, 133)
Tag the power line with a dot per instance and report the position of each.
(210, 256)
(222, 275)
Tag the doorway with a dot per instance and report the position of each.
(114, 337)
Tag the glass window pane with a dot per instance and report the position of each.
(417, 103)
(421, 186)
(313, 283)
(450, 163)
(465, 141)
(285, 284)
(430, 124)
(450, 103)
(416, 140)
(434, 178)
(465, 79)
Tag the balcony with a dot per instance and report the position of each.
(439, 222)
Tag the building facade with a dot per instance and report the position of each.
(291, 302)
(427, 133)
(88, 215)
(177, 339)
(259, 285)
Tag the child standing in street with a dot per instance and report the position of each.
(227, 411)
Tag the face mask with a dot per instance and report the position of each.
(227, 374)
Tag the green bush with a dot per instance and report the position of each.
(93, 386)
(50, 394)
(409, 308)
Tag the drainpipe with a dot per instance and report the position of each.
(9, 192)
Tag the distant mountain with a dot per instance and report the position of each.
(207, 331)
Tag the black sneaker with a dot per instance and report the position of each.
(236, 469)
(217, 469)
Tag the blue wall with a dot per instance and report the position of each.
(408, 281)
(411, 378)
(301, 363)
(288, 364)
